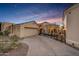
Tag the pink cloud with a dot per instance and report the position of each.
(53, 20)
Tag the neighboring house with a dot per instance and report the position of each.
(52, 27)
(4, 26)
(44, 27)
(71, 23)
(25, 29)
(47, 28)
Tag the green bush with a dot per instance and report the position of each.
(12, 43)
(6, 32)
(14, 38)
(4, 47)
(1, 33)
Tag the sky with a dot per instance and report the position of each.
(43, 12)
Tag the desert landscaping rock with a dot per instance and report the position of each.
(20, 51)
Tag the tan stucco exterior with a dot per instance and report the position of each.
(71, 22)
(16, 29)
(26, 29)
(21, 30)
(48, 28)
(45, 27)
(5, 26)
(29, 29)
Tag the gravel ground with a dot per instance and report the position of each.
(46, 46)
(20, 51)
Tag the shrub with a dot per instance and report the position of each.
(14, 38)
(6, 32)
(12, 43)
(4, 47)
(1, 33)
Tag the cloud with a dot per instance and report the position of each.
(49, 16)
(53, 20)
(43, 15)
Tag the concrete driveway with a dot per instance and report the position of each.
(46, 46)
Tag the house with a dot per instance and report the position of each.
(48, 28)
(71, 24)
(25, 29)
(4, 26)
(21, 30)
(52, 27)
(44, 27)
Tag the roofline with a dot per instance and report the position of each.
(6, 22)
(25, 23)
(72, 7)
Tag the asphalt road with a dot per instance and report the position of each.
(46, 46)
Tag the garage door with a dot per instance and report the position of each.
(30, 32)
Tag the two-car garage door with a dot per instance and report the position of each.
(30, 32)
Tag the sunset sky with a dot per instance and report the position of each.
(19, 13)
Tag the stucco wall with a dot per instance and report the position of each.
(72, 33)
(25, 31)
(5, 26)
(16, 30)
